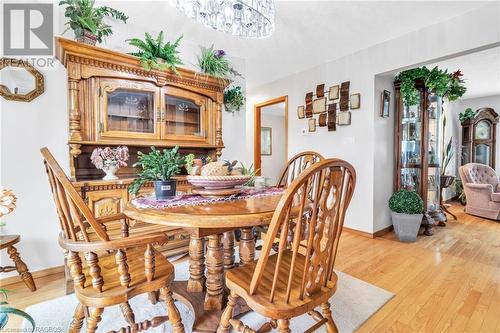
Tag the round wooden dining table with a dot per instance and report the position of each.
(205, 295)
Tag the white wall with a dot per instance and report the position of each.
(356, 143)
(272, 165)
(26, 127)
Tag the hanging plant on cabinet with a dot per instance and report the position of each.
(440, 82)
(233, 99)
(155, 54)
(215, 63)
(87, 21)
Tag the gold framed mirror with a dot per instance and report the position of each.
(19, 80)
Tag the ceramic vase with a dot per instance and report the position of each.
(110, 172)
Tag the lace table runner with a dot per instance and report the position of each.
(195, 199)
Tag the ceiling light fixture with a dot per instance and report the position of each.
(245, 18)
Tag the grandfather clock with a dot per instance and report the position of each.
(479, 138)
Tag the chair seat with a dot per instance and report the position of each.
(113, 292)
(239, 279)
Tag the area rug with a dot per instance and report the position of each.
(354, 303)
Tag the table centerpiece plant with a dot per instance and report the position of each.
(407, 210)
(87, 21)
(159, 167)
(110, 160)
(155, 54)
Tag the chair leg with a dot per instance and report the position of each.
(77, 322)
(224, 325)
(174, 317)
(94, 319)
(284, 326)
(128, 314)
(327, 313)
(153, 297)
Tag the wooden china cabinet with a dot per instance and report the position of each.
(479, 138)
(113, 101)
(417, 151)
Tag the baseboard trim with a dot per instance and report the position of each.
(379, 233)
(36, 275)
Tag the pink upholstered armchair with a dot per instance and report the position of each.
(482, 189)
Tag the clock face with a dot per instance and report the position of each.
(482, 130)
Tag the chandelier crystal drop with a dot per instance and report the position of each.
(245, 18)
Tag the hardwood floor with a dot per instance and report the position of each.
(449, 282)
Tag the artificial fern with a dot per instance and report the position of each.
(151, 49)
(83, 16)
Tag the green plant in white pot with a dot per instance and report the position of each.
(407, 210)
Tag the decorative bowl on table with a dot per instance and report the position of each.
(217, 182)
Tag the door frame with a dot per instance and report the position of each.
(257, 125)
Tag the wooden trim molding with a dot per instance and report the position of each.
(36, 275)
(257, 124)
(378, 233)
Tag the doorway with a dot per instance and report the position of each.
(271, 137)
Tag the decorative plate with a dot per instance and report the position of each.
(217, 182)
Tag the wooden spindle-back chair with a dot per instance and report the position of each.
(108, 271)
(296, 165)
(300, 276)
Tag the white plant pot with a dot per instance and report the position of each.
(406, 226)
(110, 172)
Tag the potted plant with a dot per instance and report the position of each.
(407, 212)
(87, 21)
(233, 99)
(159, 167)
(155, 54)
(110, 160)
(466, 115)
(214, 63)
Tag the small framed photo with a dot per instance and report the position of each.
(355, 101)
(301, 112)
(333, 92)
(266, 141)
(319, 105)
(385, 104)
(312, 125)
(344, 118)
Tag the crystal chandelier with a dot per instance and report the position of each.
(245, 18)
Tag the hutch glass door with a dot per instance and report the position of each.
(128, 109)
(184, 116)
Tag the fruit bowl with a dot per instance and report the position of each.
(217, 182)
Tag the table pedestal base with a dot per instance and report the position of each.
(204, 320)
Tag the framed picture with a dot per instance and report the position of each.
(322, 120)
(312, 125)
(266, 141)
(319, 105)
(385, 104)
(355, 100)
(344, 118)
(333, 92)
(301, 112)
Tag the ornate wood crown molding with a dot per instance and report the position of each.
(70, 51)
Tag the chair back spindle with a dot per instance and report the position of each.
(313, 210)
(296, 165)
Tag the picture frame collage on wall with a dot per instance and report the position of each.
(332, 106)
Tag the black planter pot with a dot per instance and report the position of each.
(165, 189)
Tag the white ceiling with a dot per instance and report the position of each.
(481, 72)
(307, 34)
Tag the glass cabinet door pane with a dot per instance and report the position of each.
(482, 153)
(434, 115)
(410, 179)
(433, 185)
(130, 111)
(183, 116)
(411, 128)
(482, 130)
